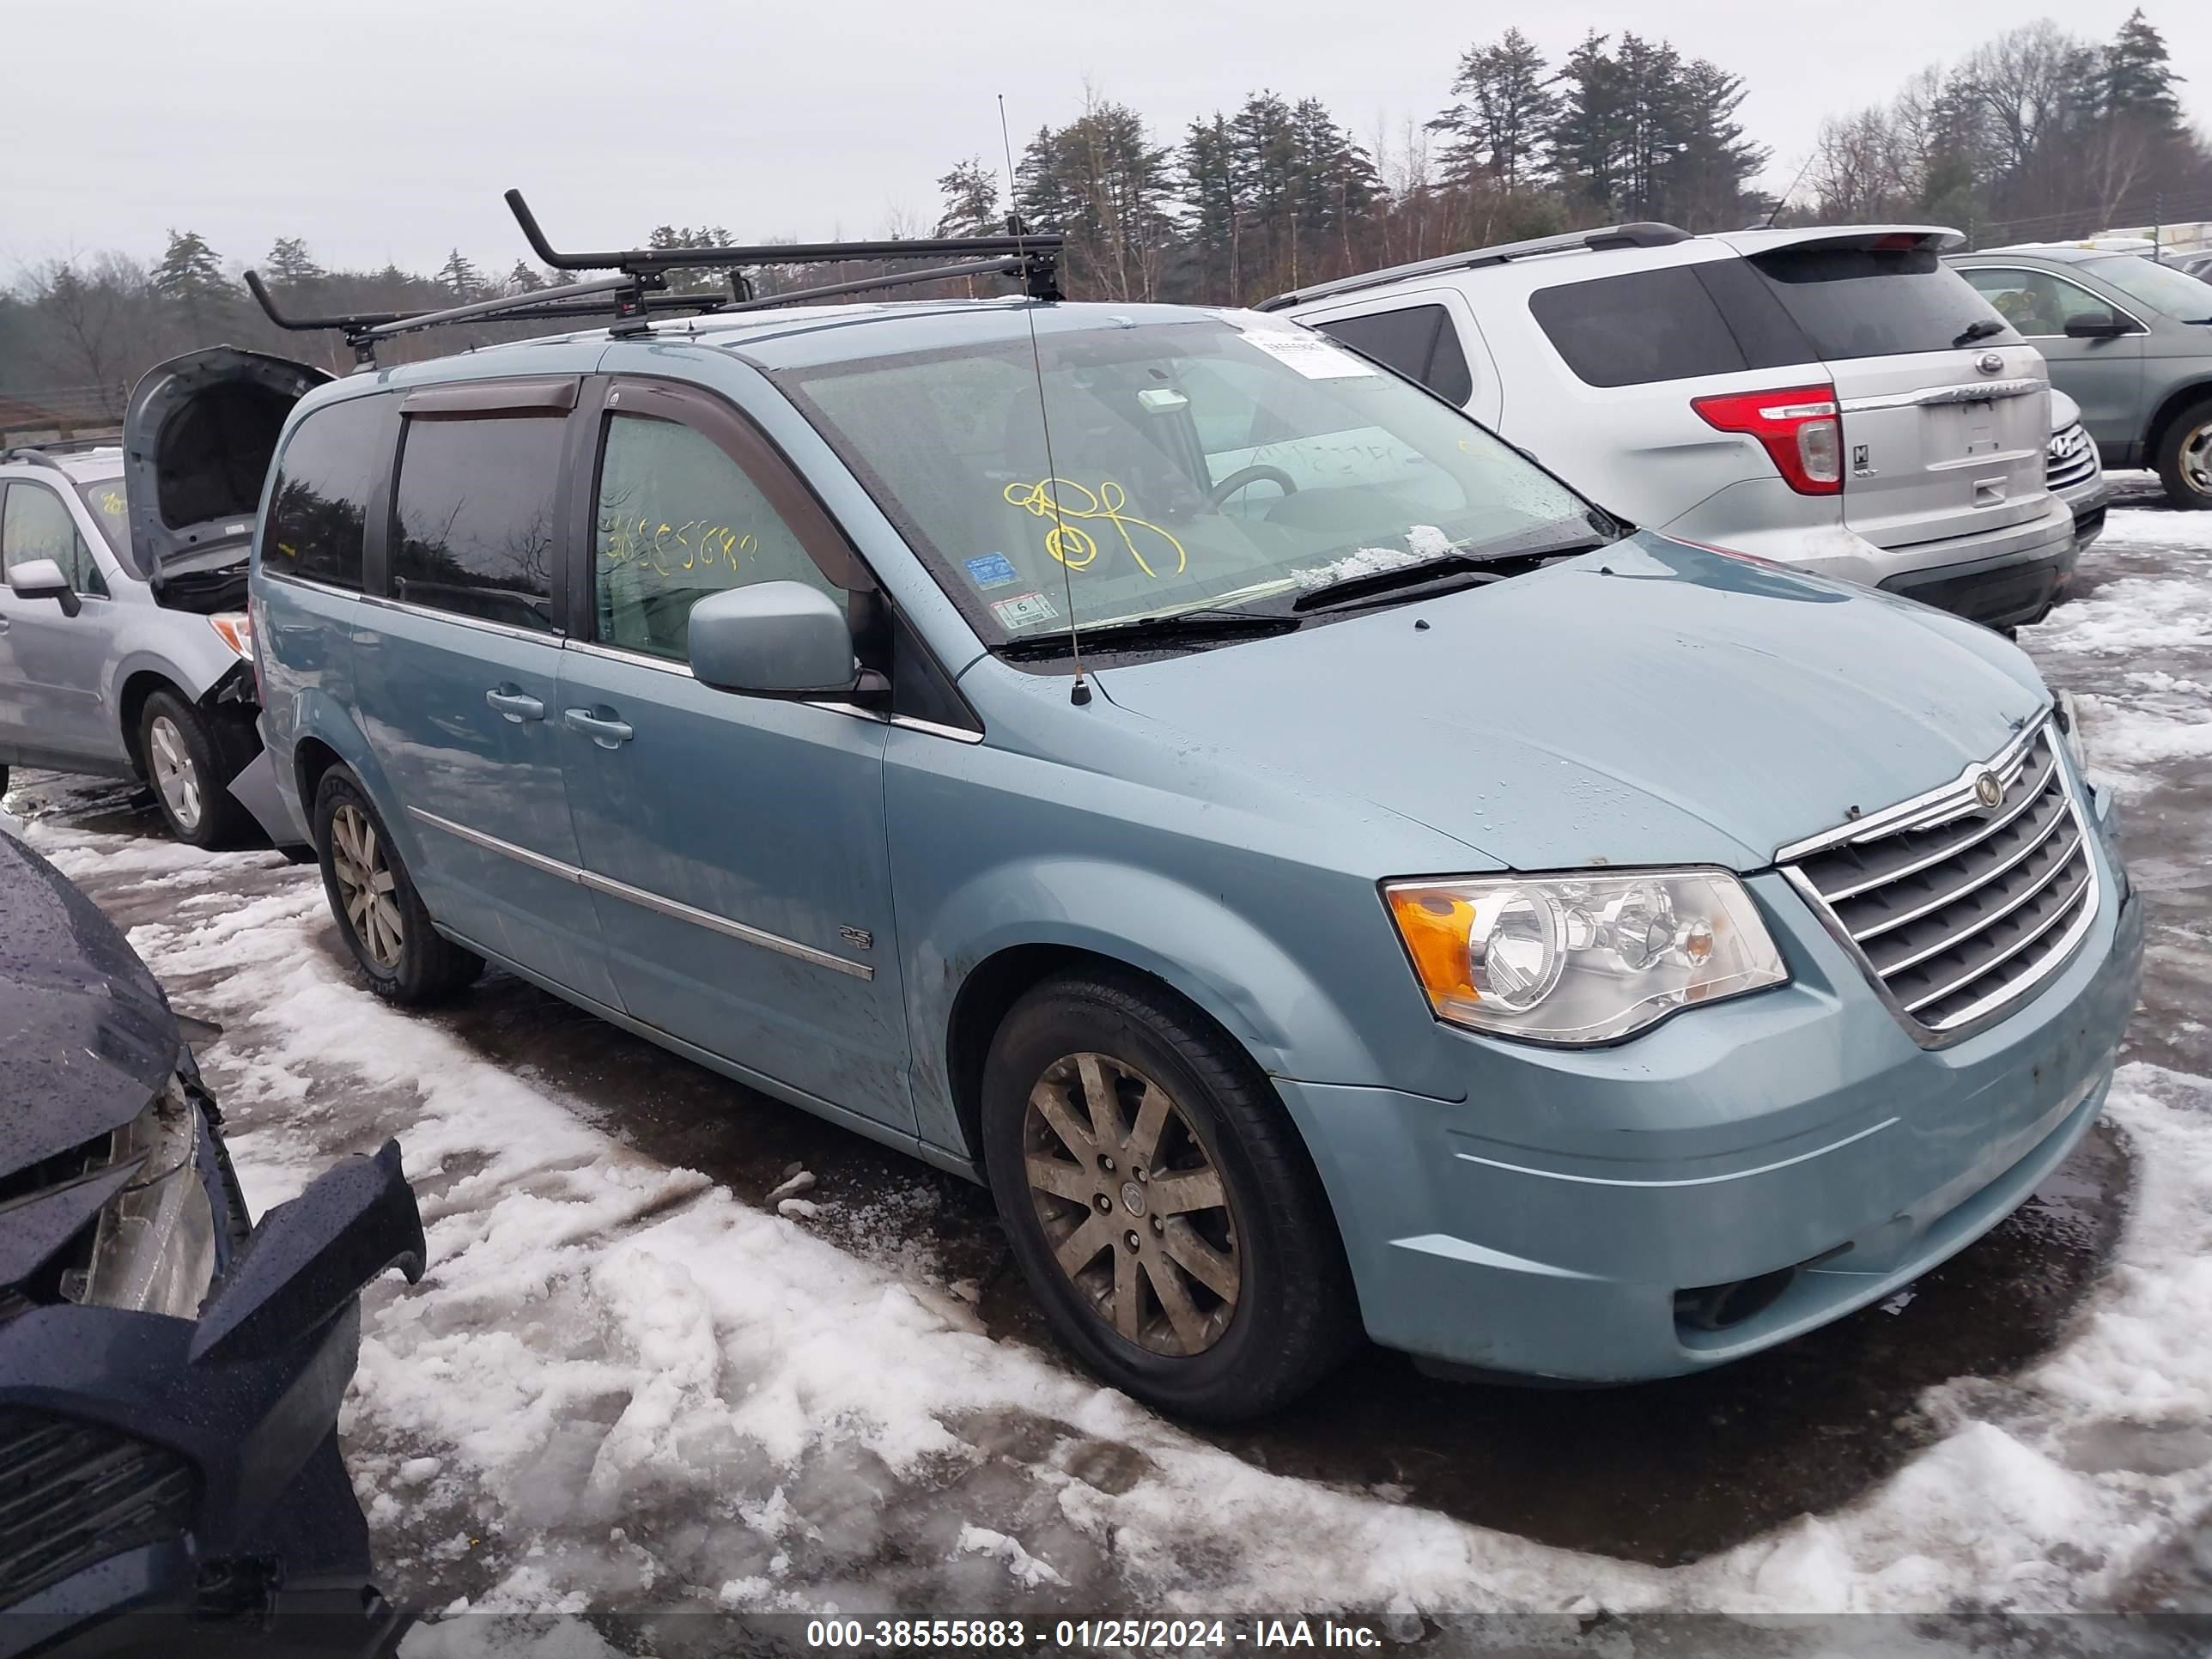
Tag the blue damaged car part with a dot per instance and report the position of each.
(1449, 913)
(169, 1374)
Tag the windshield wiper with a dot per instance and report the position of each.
(1177, 628)
(1980, 331)
(1352, 589)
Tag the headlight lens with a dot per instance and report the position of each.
(236, 629)
(152, 1250)
(1581, 959)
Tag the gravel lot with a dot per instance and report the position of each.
(632, 1381)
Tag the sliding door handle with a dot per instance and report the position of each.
(602, 729)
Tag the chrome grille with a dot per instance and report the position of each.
(2070, 458)
(1957, 909)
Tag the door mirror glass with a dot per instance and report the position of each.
(2097, 325)
(42, 579)
(777, 639)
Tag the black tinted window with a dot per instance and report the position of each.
(475, 529)
(1643, 327)
(321, 500)
(1418, 341)
(1869, 302)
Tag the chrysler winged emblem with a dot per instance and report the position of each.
(1988, 790)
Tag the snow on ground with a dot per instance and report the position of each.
(618, 1385)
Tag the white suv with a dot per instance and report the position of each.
(1832, 399)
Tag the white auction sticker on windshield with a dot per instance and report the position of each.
(1310, 354)
(1023, 610)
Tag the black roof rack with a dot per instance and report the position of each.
(640, 288)
(1644, 234)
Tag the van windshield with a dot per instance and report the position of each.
(1222, 462)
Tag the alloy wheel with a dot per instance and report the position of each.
(174, 774)
(1131, 1206)
(365, 882)
(2197, 459)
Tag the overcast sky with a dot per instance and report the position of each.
(386, 130)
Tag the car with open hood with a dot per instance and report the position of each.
(1321, 873)
(123, 644)
(170, 1372)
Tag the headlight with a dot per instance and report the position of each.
(152, 1250)
(1581, 959)
(236, 629)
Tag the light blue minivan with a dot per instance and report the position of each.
(1321, 873)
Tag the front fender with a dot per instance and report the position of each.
(1240, 976)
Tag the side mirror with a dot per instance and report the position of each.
(773, 639)
(2108, 325)
(42, 579)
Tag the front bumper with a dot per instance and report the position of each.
(226, 1502)
(1740, 1175)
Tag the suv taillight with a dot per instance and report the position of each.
(1800, 427)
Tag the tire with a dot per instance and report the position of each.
(189, 765)
(1271, 1242)
(406, 960)
(2184, 458)
(3, 783)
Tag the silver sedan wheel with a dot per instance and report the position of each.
(2197, 459)
(1132, 1204)
(365, 885)
(174, 774)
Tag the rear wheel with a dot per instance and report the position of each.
(189, 764)
(2184, 458)
(1159, 1201)
(378, 912)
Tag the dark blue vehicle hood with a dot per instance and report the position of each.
(87, 1034)
(1647, 703)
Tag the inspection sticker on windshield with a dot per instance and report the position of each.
(1022, 609)
(991, 570)
(1310, 354)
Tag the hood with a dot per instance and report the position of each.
(2064, 412)
(1647, 703)
(197, 438)
(89, 1036)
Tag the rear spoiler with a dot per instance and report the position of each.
(1870, 238)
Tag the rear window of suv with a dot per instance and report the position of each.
(1876, 302)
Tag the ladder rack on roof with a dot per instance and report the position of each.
(640, 289)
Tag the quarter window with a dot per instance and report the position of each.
(475, 518)
(1634, 329)
(320, 505)
(36, 524)
(1418, 341)
(677, 520)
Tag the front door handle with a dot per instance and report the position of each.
(4, 624)
(514, 704)
(607, 732)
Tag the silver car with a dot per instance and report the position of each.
(125, 648)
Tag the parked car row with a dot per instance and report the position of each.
(1321, 870)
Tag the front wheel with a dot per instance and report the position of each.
(190, 764)
(378, 912)
(2184, 458)
(1160, 1203)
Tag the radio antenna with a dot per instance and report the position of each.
(1080, 693)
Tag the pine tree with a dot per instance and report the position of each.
(189, 274)
(2136, 79)
(1706, 183)
(1497, 129)
(1591, 134)
(460, 277)
(971, 200)
(523, 279)
(290, 264)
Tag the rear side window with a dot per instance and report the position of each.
(1418, 341)
(474, 518)
(320, 506)
(1875, 302)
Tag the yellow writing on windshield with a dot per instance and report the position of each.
(1063, 499)
(666, 549)
(112, 503)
